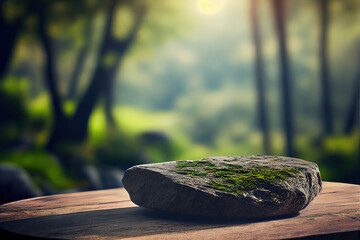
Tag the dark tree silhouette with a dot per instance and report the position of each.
(49, 65)
(120, 47)
(326, 112)
(74, 128)
(285, 78)
(352, 117)
(259, 76)
(9, 30)
(79, 63)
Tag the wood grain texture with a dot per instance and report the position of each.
(110, 214)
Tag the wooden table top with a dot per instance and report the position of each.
(110, 214)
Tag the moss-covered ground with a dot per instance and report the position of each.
(233, 178)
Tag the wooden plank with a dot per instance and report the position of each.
(110, 214)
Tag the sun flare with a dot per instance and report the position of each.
(210, 6)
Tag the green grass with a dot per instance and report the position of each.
(136, 121)
(40, 165)
(336, 155)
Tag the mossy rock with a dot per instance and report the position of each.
(239, 187)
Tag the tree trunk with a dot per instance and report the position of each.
(259, 76)
(79, 65)
(109, 94)
(50, 72)
(60, 121)
(8, 36)
(324, 69)
(100, 76)
(75, 128)
(120, 47)
(101, 83)
(279, 14)
(354, 106)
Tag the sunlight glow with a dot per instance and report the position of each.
(210, 6)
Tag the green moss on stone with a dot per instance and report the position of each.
(192, 173)
(186, 164)
(233, 178)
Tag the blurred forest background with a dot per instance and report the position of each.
(89, 88)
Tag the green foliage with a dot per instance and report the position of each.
(39, 118)
(189, 76)
(336, 155)
(339, 160)
(124, 20)
(69, 107)
(41, 166)
(118, 149)
(130, 127)
(97, 126)
(15, 86)
(14, 117)
(233, 178)
(109, 59)
(12, 10)
(156, 30)
(138, 120)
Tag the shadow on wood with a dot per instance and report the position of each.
(334, 214)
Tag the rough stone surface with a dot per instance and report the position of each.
(234, 187)
(15, 184)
